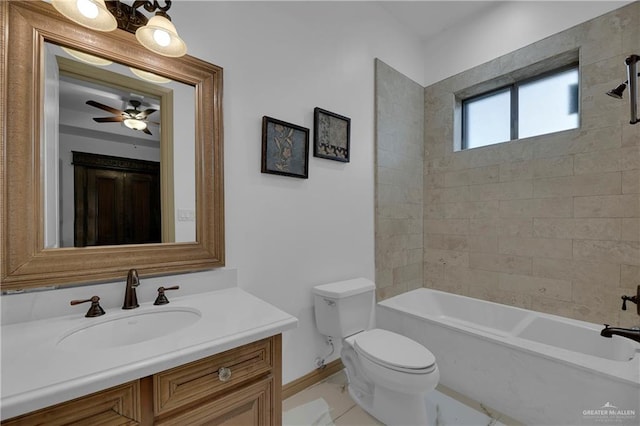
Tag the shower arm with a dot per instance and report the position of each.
(632, 74)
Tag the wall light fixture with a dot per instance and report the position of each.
(157, 33)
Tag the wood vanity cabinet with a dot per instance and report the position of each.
(241, 386)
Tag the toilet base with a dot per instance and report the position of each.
(391, 407)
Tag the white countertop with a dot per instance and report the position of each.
(37, 373)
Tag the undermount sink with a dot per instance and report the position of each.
(129, 329)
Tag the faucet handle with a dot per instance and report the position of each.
(162, 299)
(95, 310)
(635, 299)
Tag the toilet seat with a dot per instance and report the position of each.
(394, 351)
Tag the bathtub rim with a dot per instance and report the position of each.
(627, 371)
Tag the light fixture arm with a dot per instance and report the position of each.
(155, 6)
(632, 75)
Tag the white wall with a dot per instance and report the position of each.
(282, 59)
(501, 29)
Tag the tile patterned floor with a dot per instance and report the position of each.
(341, 408)
(328, 403)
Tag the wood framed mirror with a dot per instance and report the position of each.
(26, 28)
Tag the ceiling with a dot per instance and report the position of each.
(428, 18)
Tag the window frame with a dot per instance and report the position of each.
(514, 110)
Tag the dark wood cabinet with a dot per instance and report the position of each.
(117, 200)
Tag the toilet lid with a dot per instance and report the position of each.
(394, 350)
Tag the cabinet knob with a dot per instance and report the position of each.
(224, 374)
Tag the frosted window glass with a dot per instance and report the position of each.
(548, 105)
(487, 119)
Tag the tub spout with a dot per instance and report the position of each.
(629, 333)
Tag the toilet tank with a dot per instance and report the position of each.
(344, 308)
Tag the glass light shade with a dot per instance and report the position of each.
(89, 59)
(88, 13)
(149, 76)
(134, 124)
(160, 36)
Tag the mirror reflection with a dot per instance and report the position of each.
(118, 157)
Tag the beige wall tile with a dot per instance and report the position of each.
(602, 274)
(464, 278)
(591, 184)
(407, 273)
(446, 257)
(630, 229)
(553, 167)
(501, 191)
(631, 182)
(548, 287)
(500, 263)
(520, 170)
(606, 206)
(631, 136)
(538, 207)
(514, 227)
(592, 229)
(483, 243)
(446, 226)
(471, 210)
(598, 162)
(621, 252)
(536, 247)
(629, 276)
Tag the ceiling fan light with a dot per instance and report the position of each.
(160, 36)
(135, 124)
(88, 13)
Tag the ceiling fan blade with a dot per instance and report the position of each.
(147, 131)
(109, 119)
(104, 107)
(142, 115)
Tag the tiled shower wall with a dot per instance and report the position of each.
(550, 223)
(399, 191)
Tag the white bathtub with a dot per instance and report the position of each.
(538, 368)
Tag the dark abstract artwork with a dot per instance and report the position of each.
(331, 135)
(285, 148)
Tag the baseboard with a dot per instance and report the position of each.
(312, 378)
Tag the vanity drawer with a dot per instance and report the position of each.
(251, 405)
(191, 382)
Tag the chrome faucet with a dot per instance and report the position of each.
(130, 298)
(629, 333)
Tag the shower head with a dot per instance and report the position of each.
(632, 82)
(618, 91)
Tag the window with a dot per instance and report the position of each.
(536, 106)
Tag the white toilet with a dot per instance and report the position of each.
(389, 374)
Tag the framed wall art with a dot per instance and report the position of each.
(285, 148)
(331, 135)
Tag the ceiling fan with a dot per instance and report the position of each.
(133, 118)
